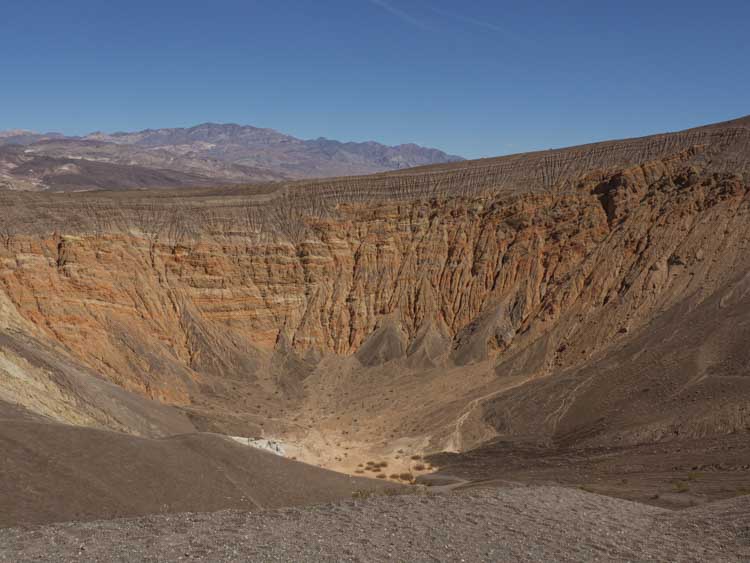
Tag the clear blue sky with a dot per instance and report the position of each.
(474, 78)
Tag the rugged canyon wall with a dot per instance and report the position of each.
(532, 265)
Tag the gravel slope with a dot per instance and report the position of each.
(53, 472)
(514, 524)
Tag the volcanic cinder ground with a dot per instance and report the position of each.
(573, 321)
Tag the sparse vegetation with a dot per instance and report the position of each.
(680, 487)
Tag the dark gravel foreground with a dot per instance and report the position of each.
(513, 524)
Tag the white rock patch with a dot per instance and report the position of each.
(273, 446)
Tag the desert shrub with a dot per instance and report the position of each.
(419, 467)
(406, 477)
(381, 476)
(681, 487)
(416, 457)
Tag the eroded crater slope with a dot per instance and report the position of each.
(586, 297)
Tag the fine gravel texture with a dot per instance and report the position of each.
(512, 524)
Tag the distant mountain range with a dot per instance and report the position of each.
(206, 154)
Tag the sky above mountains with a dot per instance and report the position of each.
(471, 78)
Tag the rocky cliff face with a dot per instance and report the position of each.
(506, 273)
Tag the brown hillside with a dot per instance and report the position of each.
(55, 472)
